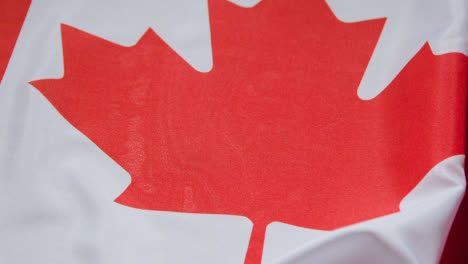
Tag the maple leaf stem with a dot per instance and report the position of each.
(255, 250)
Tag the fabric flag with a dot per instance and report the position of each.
(240, 131)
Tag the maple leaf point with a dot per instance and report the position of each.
(408, 27)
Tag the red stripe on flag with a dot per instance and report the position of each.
(12, 15)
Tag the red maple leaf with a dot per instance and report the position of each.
(275, 131)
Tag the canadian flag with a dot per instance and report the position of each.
(240, 131)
